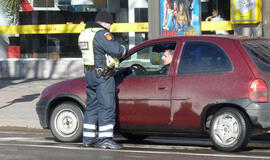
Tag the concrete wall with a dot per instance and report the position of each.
(251, 30)
(41, 69)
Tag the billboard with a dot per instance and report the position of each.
(246, 11)
(179, 17)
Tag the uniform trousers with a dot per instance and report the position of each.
(99, 115)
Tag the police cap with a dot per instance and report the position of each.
(104, 16)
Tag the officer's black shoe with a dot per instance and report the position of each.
(108, 143)
(93, 144)
(89, 145)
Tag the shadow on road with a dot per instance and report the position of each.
(26, 98)
(9, 82)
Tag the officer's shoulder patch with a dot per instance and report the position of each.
(108, 36)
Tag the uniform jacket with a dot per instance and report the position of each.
(104, 42)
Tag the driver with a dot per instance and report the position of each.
(167, 59)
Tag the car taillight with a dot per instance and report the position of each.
(258, 91)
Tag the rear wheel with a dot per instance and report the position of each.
(66, 122)
(230, 130)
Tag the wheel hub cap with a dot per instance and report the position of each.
(66, 123)
(226, 129)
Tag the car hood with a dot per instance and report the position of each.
(73, 86)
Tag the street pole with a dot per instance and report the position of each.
(266, 18)
(153, 19)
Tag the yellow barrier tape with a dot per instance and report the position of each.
(116, 28)
(42, 29)
(129, 27)
(216, 25)
(68, 28)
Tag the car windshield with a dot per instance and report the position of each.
(259, 52)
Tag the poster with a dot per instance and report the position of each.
(179, 17)
(246, 11)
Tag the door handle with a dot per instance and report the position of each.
(163, 88)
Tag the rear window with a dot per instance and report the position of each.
(200, 57)
(259, 52)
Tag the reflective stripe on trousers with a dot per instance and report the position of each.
(89, 130)
(106, 131)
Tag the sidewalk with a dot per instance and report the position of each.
(18, 100)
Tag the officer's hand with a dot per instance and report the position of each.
(121, 74)
(128, 71)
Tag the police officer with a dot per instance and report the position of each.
(100, 52)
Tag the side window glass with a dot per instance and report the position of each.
(203, 58)
(148, 61)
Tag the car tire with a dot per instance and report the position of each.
(66, 122)
(230, 130)
(133, 137)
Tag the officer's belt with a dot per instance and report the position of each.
(89, 67)
(105, 72)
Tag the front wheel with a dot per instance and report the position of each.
(66, 122)
(230, 130)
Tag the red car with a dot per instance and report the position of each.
(214, 85)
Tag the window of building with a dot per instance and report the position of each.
(203, 58)
(54, 46)
(141, 15)
(43, 3)
(223, 7)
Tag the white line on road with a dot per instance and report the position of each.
(26, 139)
(143, 152)
(4, 139)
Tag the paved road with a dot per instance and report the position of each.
(39, 144)
(18, 99)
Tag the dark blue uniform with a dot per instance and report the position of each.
(100, 91)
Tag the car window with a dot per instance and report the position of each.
(148, 60)
(203, 58)
(259, 52)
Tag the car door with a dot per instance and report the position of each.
(204, 75)
(144, 97)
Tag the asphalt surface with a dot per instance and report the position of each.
(33, 144)
(18, 98)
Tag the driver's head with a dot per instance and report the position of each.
(167, 57)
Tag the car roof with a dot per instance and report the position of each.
(198, 38)
(204, 37)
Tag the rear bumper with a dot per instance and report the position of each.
(42, 112)
(259, 114)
